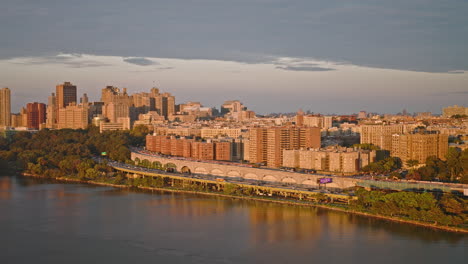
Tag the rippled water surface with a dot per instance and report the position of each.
(49, 222)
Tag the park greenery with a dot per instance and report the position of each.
(446, 209)
(384, 166)
(453, 169)
(69, 153)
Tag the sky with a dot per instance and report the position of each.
(325, 56)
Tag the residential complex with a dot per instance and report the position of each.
(308, 141)
(419, 146)
(334, 159)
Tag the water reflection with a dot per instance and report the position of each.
(5, 188)
(147, 222)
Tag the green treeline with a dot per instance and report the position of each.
(453, 169)
(446, 209)
(69, 153)
(386, 165)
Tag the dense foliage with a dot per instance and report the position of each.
(366, 146)
(453, 169)
(447, 209)
(383, 166)
(69, 152)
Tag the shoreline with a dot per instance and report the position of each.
(286, 202)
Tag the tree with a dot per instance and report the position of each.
(451, 204)
(92, 173)
(366, 146)
(412, 163)
(454, 163)
(138, 135)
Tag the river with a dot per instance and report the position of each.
(44, 221)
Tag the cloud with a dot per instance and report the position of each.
(304, 68)
(70, 60)
(456, 72)
(140, 61)
(153, 69)
(298, 64)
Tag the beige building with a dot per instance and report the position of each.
(257, 146)
(335, 159)
(51, 112)
(419, 146)
(214, 132)
(108, 126)
(113, 111)
(454, 110)
(5, 107)
(313, 120)
(193, 110)
(179, 131)
(380, 135)
(16, 120)
(266, 145)
(73, 116)
(112, 94)
(65, 94)
(233, 106)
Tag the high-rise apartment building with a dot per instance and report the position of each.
(164, 103)
(266, 145)
(112, 94)
(51, 116)
(5, 107)
(419, 146)
(257, 146)
(223, 151)
(73, 116)
(280, 138)
(65, 94)
(113, 111)
(36, 113)
(380, 135)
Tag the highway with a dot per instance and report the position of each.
(234, 180)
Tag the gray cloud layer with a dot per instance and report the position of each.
(140, 61)
(69, 60)
(422, 35)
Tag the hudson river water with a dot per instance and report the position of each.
(49, 222)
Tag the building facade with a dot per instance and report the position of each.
(419, 146)
(334, 159)
(73, 116)
(5, 107)
(380, 135)
(36, 113)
